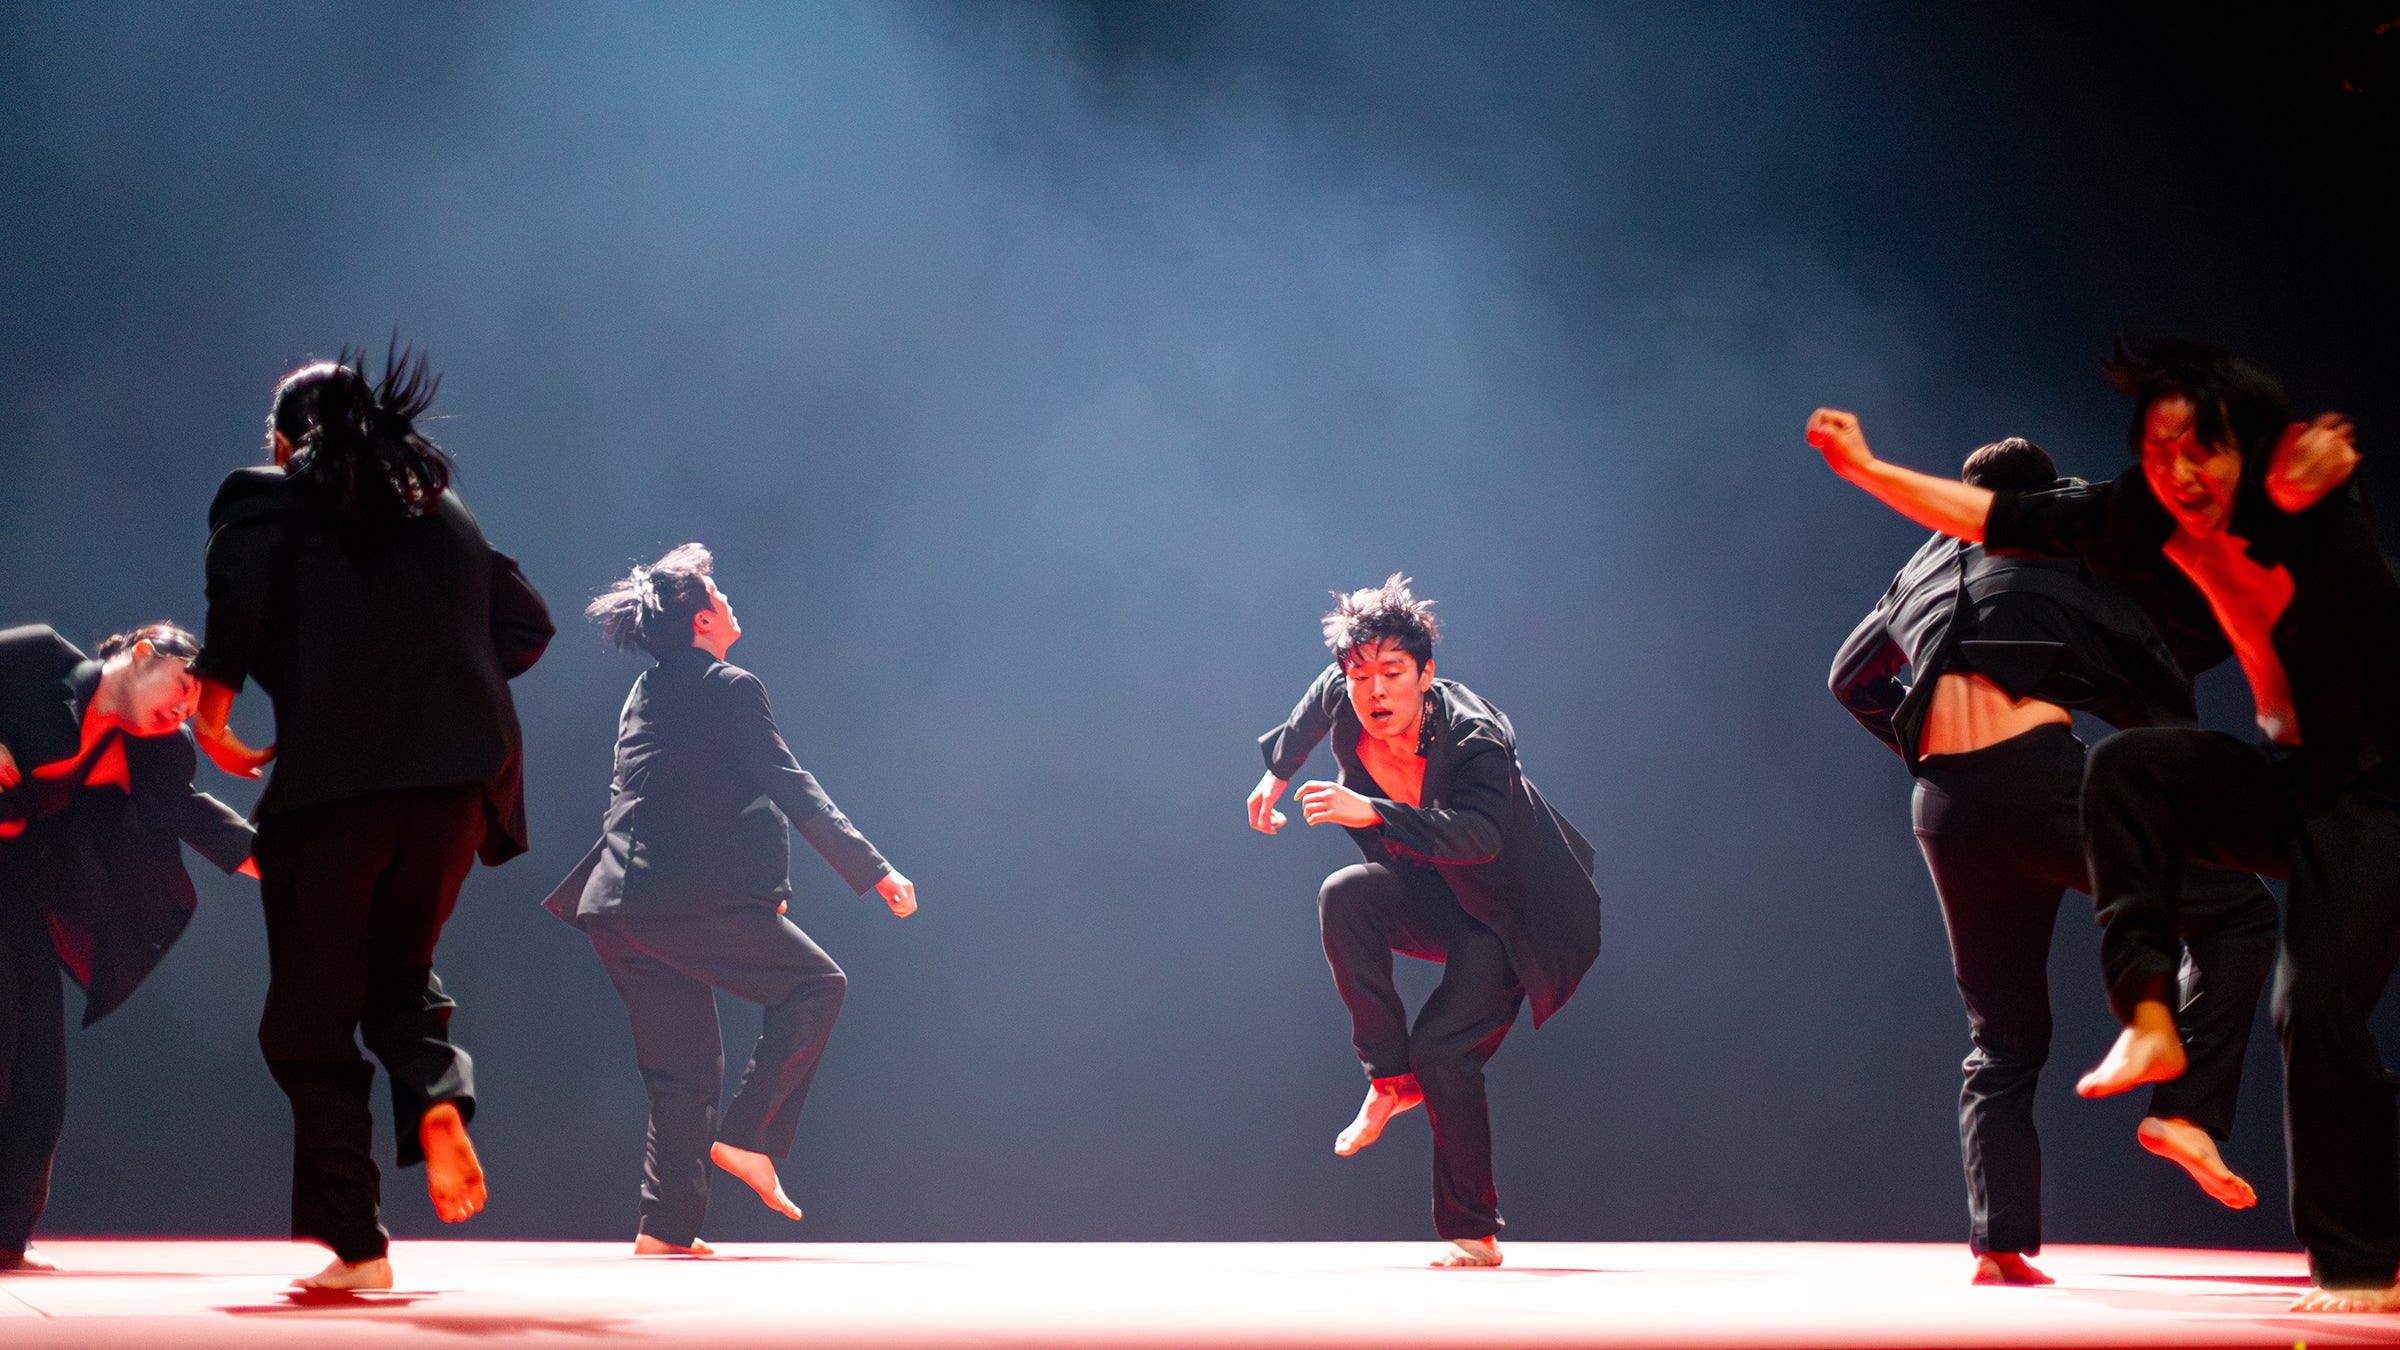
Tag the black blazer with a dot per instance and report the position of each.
(2041, 628)
(703, 802)
(106, 870)
(1514, 863)
(388, 661)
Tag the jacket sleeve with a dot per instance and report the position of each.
(1866, 678)
(2062, 522)
(759, 749)
(214, 830)
(1466, 827)
(521, 627)
(1287, 747)
(241, 552)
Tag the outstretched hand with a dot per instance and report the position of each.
(1323, 803)
(2310, 461)
(1264, 818)
(1838, 437)
(9, 776)
(898, 892)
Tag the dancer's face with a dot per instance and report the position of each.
(2194, 480)
(715, 627)
(1387, 687)
(155, 694)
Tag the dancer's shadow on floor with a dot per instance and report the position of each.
(396, 1307)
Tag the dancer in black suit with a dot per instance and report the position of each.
(1999, 649)
(351, 582)
(1466, 865)
(684, 894)
(96, 801)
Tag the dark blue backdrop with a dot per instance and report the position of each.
(1035, 370)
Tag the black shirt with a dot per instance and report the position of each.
(705, 797)
(2339, 639)
(2038, 628)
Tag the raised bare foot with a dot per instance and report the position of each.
(27, 1261)
(646, 1245)
(2147, 1051)
(349, 1276)
(757, 1171)
(2180, 1141)
(453, 1176)
(2007, 1268)
(1386, 1098)
(2321, 1298)
(1469, 1254)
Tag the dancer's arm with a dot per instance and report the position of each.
(1465, 829)
(1946, 504)
(1287, 747)
(521, 627)
(214, 830)
(1866, 678)
(2311, 460)
(758, 747)
(243, 538)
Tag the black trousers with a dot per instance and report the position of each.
(33, 1067)
(666, 968)
(2157, 800)
(356, 893)
(1372, 910)
(2002, 833)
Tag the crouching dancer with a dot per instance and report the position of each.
(684, 894)
(95, 793)
(1466, 865)
(2239, 532)
(351, 582)
(2000, 649)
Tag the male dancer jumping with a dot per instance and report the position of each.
(2000, 649)
(351, 582)
(1466, 865)
(2239, 531)
(96, 801)
(684, 894)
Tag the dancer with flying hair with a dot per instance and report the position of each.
(350, 581)
(685, 893)
(1466, 865)
(96, 801)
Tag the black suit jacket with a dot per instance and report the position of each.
(703, 802)
(1514, 863)
(388, 660)
(106, 871)
(2041, 628)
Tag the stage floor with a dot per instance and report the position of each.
(226, 1293)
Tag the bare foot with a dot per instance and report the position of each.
(2180, 1141)
(27, 1261)
(2323, 1299)
(646, 1245)
(1469, 1254)
(756, 1170)
(2147, 1051)
(2007, 1268)
(347, 1277)
(1386, 1098)
(453, 1177)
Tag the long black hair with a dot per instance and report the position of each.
(355, 444)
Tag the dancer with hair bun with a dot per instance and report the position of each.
(1466, 865)
(96, 798)
(685, 893)
(350, 581)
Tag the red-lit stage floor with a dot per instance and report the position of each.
(176, 1294)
